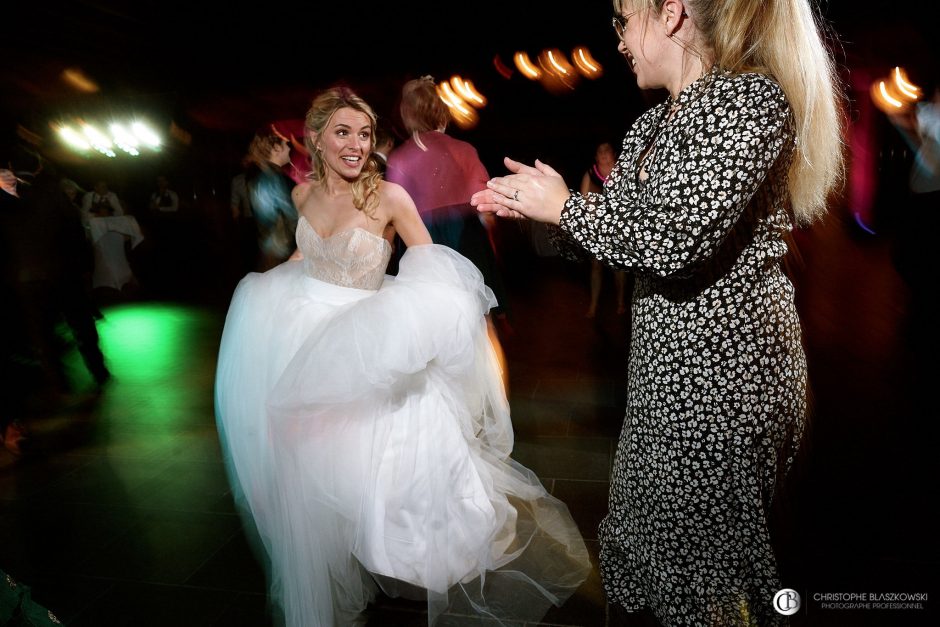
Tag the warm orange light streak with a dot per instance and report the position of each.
(884, 94)
(467, 92)
(498, 353)
(77, 79)
(504, 70)
(558, 75)
(475, 96)
(464, 116)
(906, 88)
(526, 67)
(587, 64)
(555, 64)
(458, 85)
(450, 98)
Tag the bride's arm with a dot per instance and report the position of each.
(403, 215)
(298, 195)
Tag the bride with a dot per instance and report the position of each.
(363, 419)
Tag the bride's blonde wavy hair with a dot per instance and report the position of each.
(365, 189)
(781, 38)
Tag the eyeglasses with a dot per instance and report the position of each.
(620, 23)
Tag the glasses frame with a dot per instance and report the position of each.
(619, 22)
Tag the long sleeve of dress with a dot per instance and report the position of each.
(705, 176)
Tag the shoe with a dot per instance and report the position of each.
(15, 438)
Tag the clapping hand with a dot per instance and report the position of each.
(537, 192)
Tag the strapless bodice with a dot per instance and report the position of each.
(351, 258)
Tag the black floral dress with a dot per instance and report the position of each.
(717, 374)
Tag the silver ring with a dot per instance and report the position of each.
(516, 196)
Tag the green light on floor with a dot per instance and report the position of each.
(162, 358)
(146, 341)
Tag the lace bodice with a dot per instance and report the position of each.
(351, 258)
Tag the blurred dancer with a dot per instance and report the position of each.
(45, 257)
(706, 188)
(75, 193)
(918, 218)
(363, 419)
(440, 173)
(245, 231)
(269, 193)
(593, 183)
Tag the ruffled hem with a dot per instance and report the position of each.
(369, 439)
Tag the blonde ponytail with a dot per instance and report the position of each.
(782, 38)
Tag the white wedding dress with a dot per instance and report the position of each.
(368, 440)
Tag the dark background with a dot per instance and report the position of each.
(218, 73)
(864, 516)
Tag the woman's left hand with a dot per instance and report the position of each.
(538, 193)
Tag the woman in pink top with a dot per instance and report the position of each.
(440, 173)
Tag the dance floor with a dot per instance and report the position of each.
(120, 513)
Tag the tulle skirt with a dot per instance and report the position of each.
(367, 437)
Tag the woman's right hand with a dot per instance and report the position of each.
(538, 193)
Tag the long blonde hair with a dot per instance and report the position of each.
(782, 38)
(365, 189)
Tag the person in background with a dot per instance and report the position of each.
(171, 236)
(74, 193)
(440, 172)
(44, 258)
(919, 217)
(164, 199)
(593, 183)
(269, 193)
(101, 202)
(245, 232)
(238, 197)
(707, 187)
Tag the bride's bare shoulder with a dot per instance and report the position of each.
(301, 192)
(395, 195)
